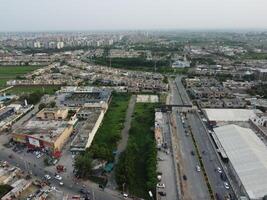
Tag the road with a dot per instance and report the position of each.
(124, 139)
(38, 171)
(195, 184)
(209, 155)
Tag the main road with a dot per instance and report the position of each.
(200, 133)
(194, 186)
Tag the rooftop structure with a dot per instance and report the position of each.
(52, 114)
(78, 96)
(50, 134)
(229, 115)
(86, 133)
(248, 157)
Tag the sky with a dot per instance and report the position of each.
(74, 15)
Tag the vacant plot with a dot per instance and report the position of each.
(137, 166)
(105, 141)
(13, 72)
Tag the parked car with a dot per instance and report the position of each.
(47, 177)
(58, 177)
(198, 168)
(160, 185)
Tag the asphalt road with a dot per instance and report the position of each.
(195, 182)
(209, 155)
(39, 172)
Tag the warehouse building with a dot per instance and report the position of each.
(228, 115)
(45, 133)
(247, 156)
(90, 120)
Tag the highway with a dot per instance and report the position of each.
(209, 155)
(194, 186)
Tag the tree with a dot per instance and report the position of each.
(41, 106)
(83, 165)
(4, 189)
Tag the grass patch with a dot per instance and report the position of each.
(12, 72)
(33, 89)
(138, 164)
(109, 133)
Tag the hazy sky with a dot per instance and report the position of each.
(38, 15)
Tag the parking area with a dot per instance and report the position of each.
(167, 187)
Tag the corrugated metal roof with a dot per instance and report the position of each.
(248, 155)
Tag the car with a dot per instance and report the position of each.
(192, 153)
(160, 159)
(226, 185)
(160, 185)
(159, 177)
(47, 177)
(38, 156)
(161, 193)
(58, 177)
(219, 170)
(223, 176)
(184, 177)
(61, 183)
(125, 196)
(198, 168)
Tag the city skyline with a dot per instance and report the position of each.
(131, 15)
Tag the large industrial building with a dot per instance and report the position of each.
(49, 132)
(218, 116)
(82, 96)
(247, 156)
(91, 118)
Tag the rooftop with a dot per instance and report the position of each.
(230, 115)
(43, 130)
(248, 155)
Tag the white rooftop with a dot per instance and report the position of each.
(230, 114)
(248, 155)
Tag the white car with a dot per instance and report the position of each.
(198, 168)
(48, 177)
(160, 185)
(58, 177)
(219, 170)
(61, 183)
(125, 196)
(226, 185)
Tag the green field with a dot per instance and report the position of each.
(138, 164)
(12, 72)
(109, 133)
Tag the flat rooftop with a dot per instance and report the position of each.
(248, 155)
(87, 126)
(43, 130)
(230, 115)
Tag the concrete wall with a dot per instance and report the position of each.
(94, 130)
(62, 139)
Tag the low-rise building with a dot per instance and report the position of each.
(18, 187)
(52, 114)
(49, 135)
